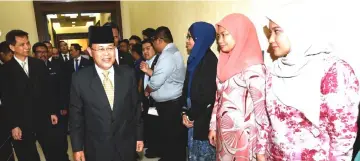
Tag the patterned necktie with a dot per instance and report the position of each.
(66, 57)
(25, 70)
(109, 89)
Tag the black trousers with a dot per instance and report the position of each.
(174, 133)
(26, 150)
(6, 152)
(61, 130)
(152, 130)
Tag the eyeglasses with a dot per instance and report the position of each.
(154, 38)
(103, 50)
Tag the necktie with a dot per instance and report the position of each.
(109, 89)
(76, 65)
(66, 57)
(25, 70)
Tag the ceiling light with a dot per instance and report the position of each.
(89, 14)
(56, 25)
(89, 23)
(71, 15)
(51, 16)
(73, 22)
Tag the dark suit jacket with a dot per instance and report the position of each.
(56, 77)
(26, 99)
(68, 71)
(203, 91)
(105, 134)
(126, 59)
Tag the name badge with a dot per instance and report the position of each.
(153, 111)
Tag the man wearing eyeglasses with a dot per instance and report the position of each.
(165, 87)
(105, 122)
(59, 132)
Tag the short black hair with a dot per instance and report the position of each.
(38, 44)
(164, 33)
(134, 37)
(112, 25)
(61, 42)
(125, 41)
(11, 35)
(138, 49)
(4, 48)
(47, 42)
(147, 41)
(76, 46)
(149, 32)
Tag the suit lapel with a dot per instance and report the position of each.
(120, 90)
(99, 91)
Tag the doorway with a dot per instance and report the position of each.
(69, 19)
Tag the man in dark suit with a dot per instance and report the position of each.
(40, 51)
(27, 101)
(123, 56)
(64, 55)
(105, 123)
(6, 152)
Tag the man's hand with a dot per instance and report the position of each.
(16, 133)
(147, 94)
(187, 122)
(54, 119)
(63, 112)
(79, 156)
(144, 66)
(139, 146)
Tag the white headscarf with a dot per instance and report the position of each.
(297, 77)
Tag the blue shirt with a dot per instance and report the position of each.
(168, 76)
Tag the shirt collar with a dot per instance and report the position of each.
(100, 71)
(20, 61)
(151, 60)
(79, 58)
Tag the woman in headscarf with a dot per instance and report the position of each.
(312, 96)
(239, 109)
(199, 90)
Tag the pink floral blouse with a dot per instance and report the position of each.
(293, 138)
(237, 114)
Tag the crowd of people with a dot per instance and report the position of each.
(119, 96)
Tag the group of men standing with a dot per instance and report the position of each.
(104, 102)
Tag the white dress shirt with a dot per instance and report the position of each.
(101, 75)
(26, 67)
(146, 77)
(67, 55)
(50, 59)
(117, 55)
(79, 60)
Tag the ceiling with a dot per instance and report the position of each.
(73, 20)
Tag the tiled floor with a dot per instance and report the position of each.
(143, 158)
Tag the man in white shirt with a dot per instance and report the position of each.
(105, 112)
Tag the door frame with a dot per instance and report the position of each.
(42, 8)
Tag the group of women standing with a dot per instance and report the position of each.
(302, 107)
